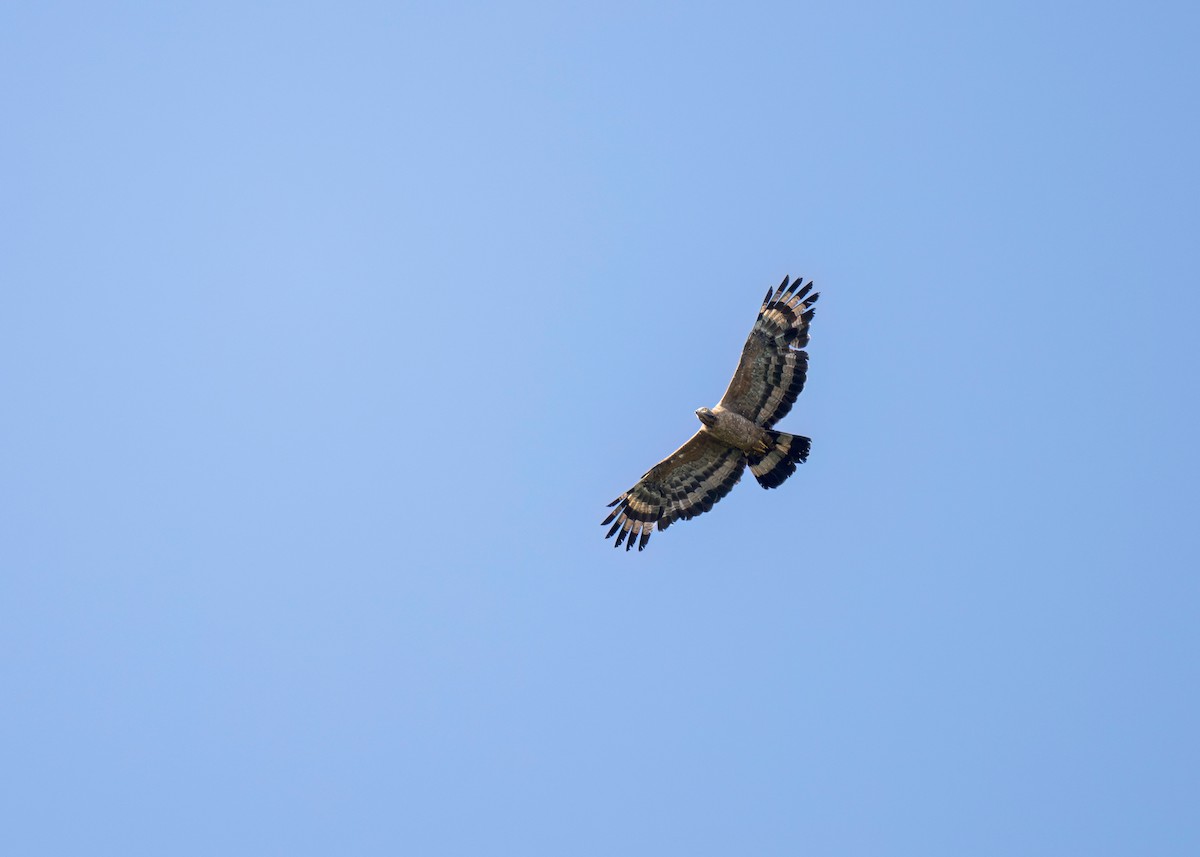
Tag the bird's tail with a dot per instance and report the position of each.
(779, 462)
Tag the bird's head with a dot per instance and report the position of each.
(706, 416)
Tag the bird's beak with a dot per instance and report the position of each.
(705, 417)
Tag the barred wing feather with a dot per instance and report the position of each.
(774, 365)
(681, 486)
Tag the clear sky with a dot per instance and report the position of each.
(328, 330)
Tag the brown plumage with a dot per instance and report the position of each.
(736, 432)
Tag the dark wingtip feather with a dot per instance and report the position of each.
(614, 528)
(778, 290)
(645, 538)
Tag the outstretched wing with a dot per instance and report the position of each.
(773, 367)
(686, 484)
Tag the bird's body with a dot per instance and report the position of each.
(732, 428)
(736, 432)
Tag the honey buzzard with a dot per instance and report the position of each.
(736, 432)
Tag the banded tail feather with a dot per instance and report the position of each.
(779, 462)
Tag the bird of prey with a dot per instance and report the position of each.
(736, 432)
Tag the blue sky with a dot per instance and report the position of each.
(327, 331)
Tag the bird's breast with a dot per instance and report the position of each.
(736, 430)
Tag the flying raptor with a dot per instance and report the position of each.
(736, 432)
